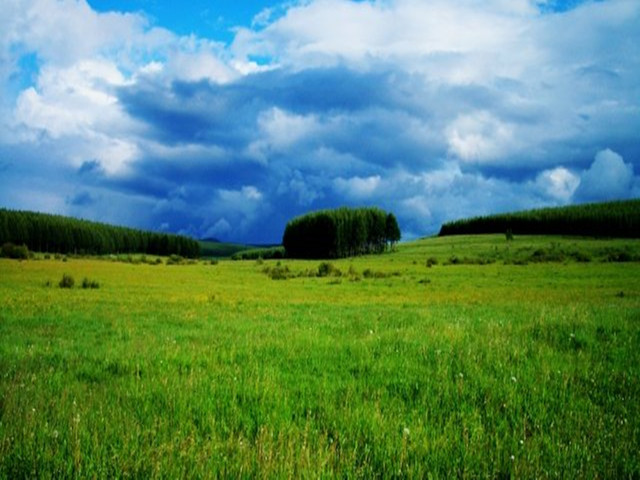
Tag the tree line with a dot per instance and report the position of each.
(342, 232)
(43, 232)
(608, 219)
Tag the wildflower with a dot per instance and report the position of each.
(513, 458)
(405, 432)
(514, 379)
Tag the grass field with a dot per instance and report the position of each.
(468, 368)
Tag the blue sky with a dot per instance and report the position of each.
(226, 118)
(214, 19)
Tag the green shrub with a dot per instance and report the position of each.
(67, 281)
(278, 272)
(431, 261)
(326, 268)
(175, 259)
(86, 283)
(9, 250)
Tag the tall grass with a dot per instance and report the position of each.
(191, 371)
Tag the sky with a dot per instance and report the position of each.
(224, 119)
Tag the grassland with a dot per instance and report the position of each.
(469, 368)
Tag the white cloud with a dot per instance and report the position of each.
(220, 229)
(72, 100)
(357, 187)
(479, 136)
(558, 184)
(278, 131)
(608, 178)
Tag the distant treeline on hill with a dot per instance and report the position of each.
(340, 233)
(43, 232)
(610, 219)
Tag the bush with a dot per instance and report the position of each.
(326, 268)
(431, 261)
(9, 250)
(67, 281)
(86, 283)
(175, 260)
(278, 272)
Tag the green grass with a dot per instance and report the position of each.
(459, 370)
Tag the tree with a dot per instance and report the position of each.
(339, 233)
(392, 230)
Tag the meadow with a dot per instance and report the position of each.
(459, 357)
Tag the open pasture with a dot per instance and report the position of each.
(501, 359)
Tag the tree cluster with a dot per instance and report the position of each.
(42, 232)
(342, 232)
(609, 219)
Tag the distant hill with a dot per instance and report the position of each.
(608, 219)
(42, 232)
(215, 248)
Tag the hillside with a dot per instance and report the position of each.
(609, 219)
(210, 248)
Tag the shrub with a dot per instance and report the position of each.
(431, 261)
(278, 272)
(86, 283)
(67, 281)
(9, 250)
(175, 259)
(326, 268)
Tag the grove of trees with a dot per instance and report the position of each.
(608, 219)
(42, 232)
(342, 232)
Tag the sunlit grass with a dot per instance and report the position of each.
(218, 370)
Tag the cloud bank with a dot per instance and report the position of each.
(434, 110)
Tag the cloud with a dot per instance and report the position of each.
(357, 187)
(81, 199)
(479, 136)
(435, 110)
(558, 184)
(221, 229)
(608, 178)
